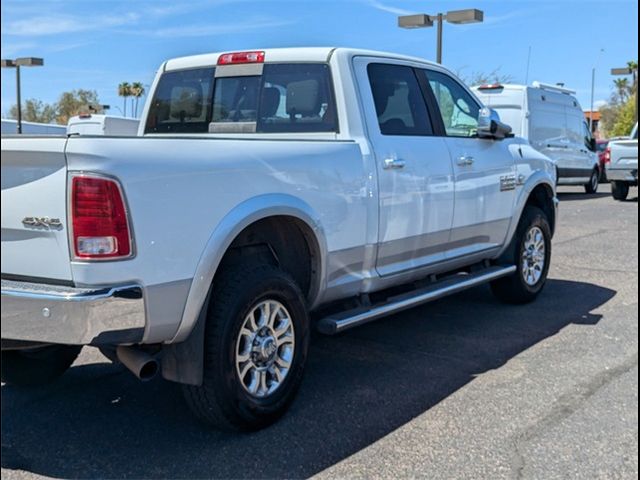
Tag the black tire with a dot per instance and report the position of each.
(37, 366)
(514, 289)
(222, 400)
(619, 190)
(594, 181)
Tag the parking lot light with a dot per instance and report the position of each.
(17, 63)
(457, 17)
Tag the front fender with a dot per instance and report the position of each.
(540, 177)
(227, 230)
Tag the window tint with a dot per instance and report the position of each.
(286, 98)
(587, 135)
(182, 102)
(458, 109)
(399, 103)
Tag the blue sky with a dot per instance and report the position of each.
(100, 43)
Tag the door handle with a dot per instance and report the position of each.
(393, 163)
(465, 160)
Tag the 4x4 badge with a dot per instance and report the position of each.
(42, 222)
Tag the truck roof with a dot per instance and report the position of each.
(295, 54)
(512, 94)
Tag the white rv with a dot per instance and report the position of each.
(551, 118)
(109, 125)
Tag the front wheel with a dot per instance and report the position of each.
(530, 251)
(620, 190)
(594, 181)
(256, 342)
(37, 366)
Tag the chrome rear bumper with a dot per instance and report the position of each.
(35, 312)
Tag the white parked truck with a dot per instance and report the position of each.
(266, 192)
(622, 164)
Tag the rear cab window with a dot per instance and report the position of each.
(281, 98)
(181, 102)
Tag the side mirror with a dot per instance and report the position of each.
(593, 146)
(490, 126)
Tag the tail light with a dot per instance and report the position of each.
(240, 58)
(100, 227)
(607, 155)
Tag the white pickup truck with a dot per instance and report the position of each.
(266, 192)
(622, 164)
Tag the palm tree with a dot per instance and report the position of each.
(633, 66)
(124, 90)
(137, 90)
(622, 88)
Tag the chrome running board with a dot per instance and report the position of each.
(352, 318)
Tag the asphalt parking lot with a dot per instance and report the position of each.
(461, 388)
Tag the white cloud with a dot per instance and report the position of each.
(59, 24)
(388, 8)
(599, 103)
(496, 19)
(203, 30)
(9, 49)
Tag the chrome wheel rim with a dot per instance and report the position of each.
(594, 181)
(265, 348)
(533, 256)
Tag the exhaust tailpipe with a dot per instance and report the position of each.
(139, 362)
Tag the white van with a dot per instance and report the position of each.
(551, 118)
(90, 124)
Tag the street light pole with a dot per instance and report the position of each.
(439, 45)
(19, 126)
(421, 20)
(17, 63)
(593, 86)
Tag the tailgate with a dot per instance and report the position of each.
(34, 208)
(624, 153)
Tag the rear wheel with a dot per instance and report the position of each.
(594, 181)
(620, 190)
(530, 251)
(256, 342)
(36, 366)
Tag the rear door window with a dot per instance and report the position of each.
(400, 106)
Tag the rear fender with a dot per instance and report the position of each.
(232, 224)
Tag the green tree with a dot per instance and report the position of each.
(76, 102)
(137, 91)
(619, 115)
(625, 119)
(124, 91)
(34, 110)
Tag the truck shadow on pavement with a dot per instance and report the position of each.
(100, 422)
(573, 196)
